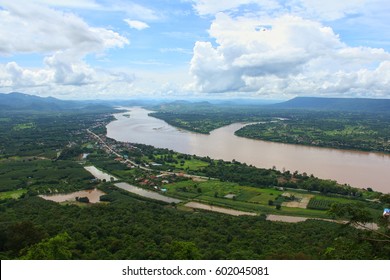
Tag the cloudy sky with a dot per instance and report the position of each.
(274, 49)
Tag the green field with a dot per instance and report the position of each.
(24, 126)
(193, 164)
(12, 194)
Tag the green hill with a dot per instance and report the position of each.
(16, 101)
(336, 104)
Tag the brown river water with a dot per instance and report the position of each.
(358, 169)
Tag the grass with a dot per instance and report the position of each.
(23, 126)
(12, 194)
(333, 199)
(193, 164)
(215, 188)
(208, 188)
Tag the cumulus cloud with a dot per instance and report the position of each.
(63, 39)
(32, 28)
(328, 10)
(136, 24)
(287, 55)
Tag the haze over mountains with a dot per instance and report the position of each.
(336, 104)
(20, 101)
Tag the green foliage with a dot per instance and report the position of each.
(205, 117)
(355, 213)
(183, 250)
(319, 204)
(42, 176)
(70, 153)
(135, 234)
(242, 174)
(36, 133)
(22, 126)
(82, 199)
(20, 235)
(56, 248)
(385, 198)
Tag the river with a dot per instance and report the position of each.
(359, 169)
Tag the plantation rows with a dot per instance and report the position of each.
(317, 204)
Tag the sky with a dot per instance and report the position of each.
(264, 49)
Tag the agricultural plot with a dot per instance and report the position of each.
(317, 204)
(250, 199)
(193, 164)
(299, 200)
(12, 194)
(42, 176)
(322, 202)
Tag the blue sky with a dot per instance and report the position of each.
(267, 49)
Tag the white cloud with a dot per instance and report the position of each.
(136, 24)
(327, 10)
(64, 40)
(211, 7)
(285, 55)
(31, 28)
(83, 4)
(134, 10)
(71, 80)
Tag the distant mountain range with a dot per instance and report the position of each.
(336, 104)
(16, 101)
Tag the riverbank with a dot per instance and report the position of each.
(346, 167)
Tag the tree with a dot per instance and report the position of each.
(183, 250)
(385, 198)
(357, 216)
(56, 248)
(23, 234)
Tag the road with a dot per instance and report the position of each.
(196, 177)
